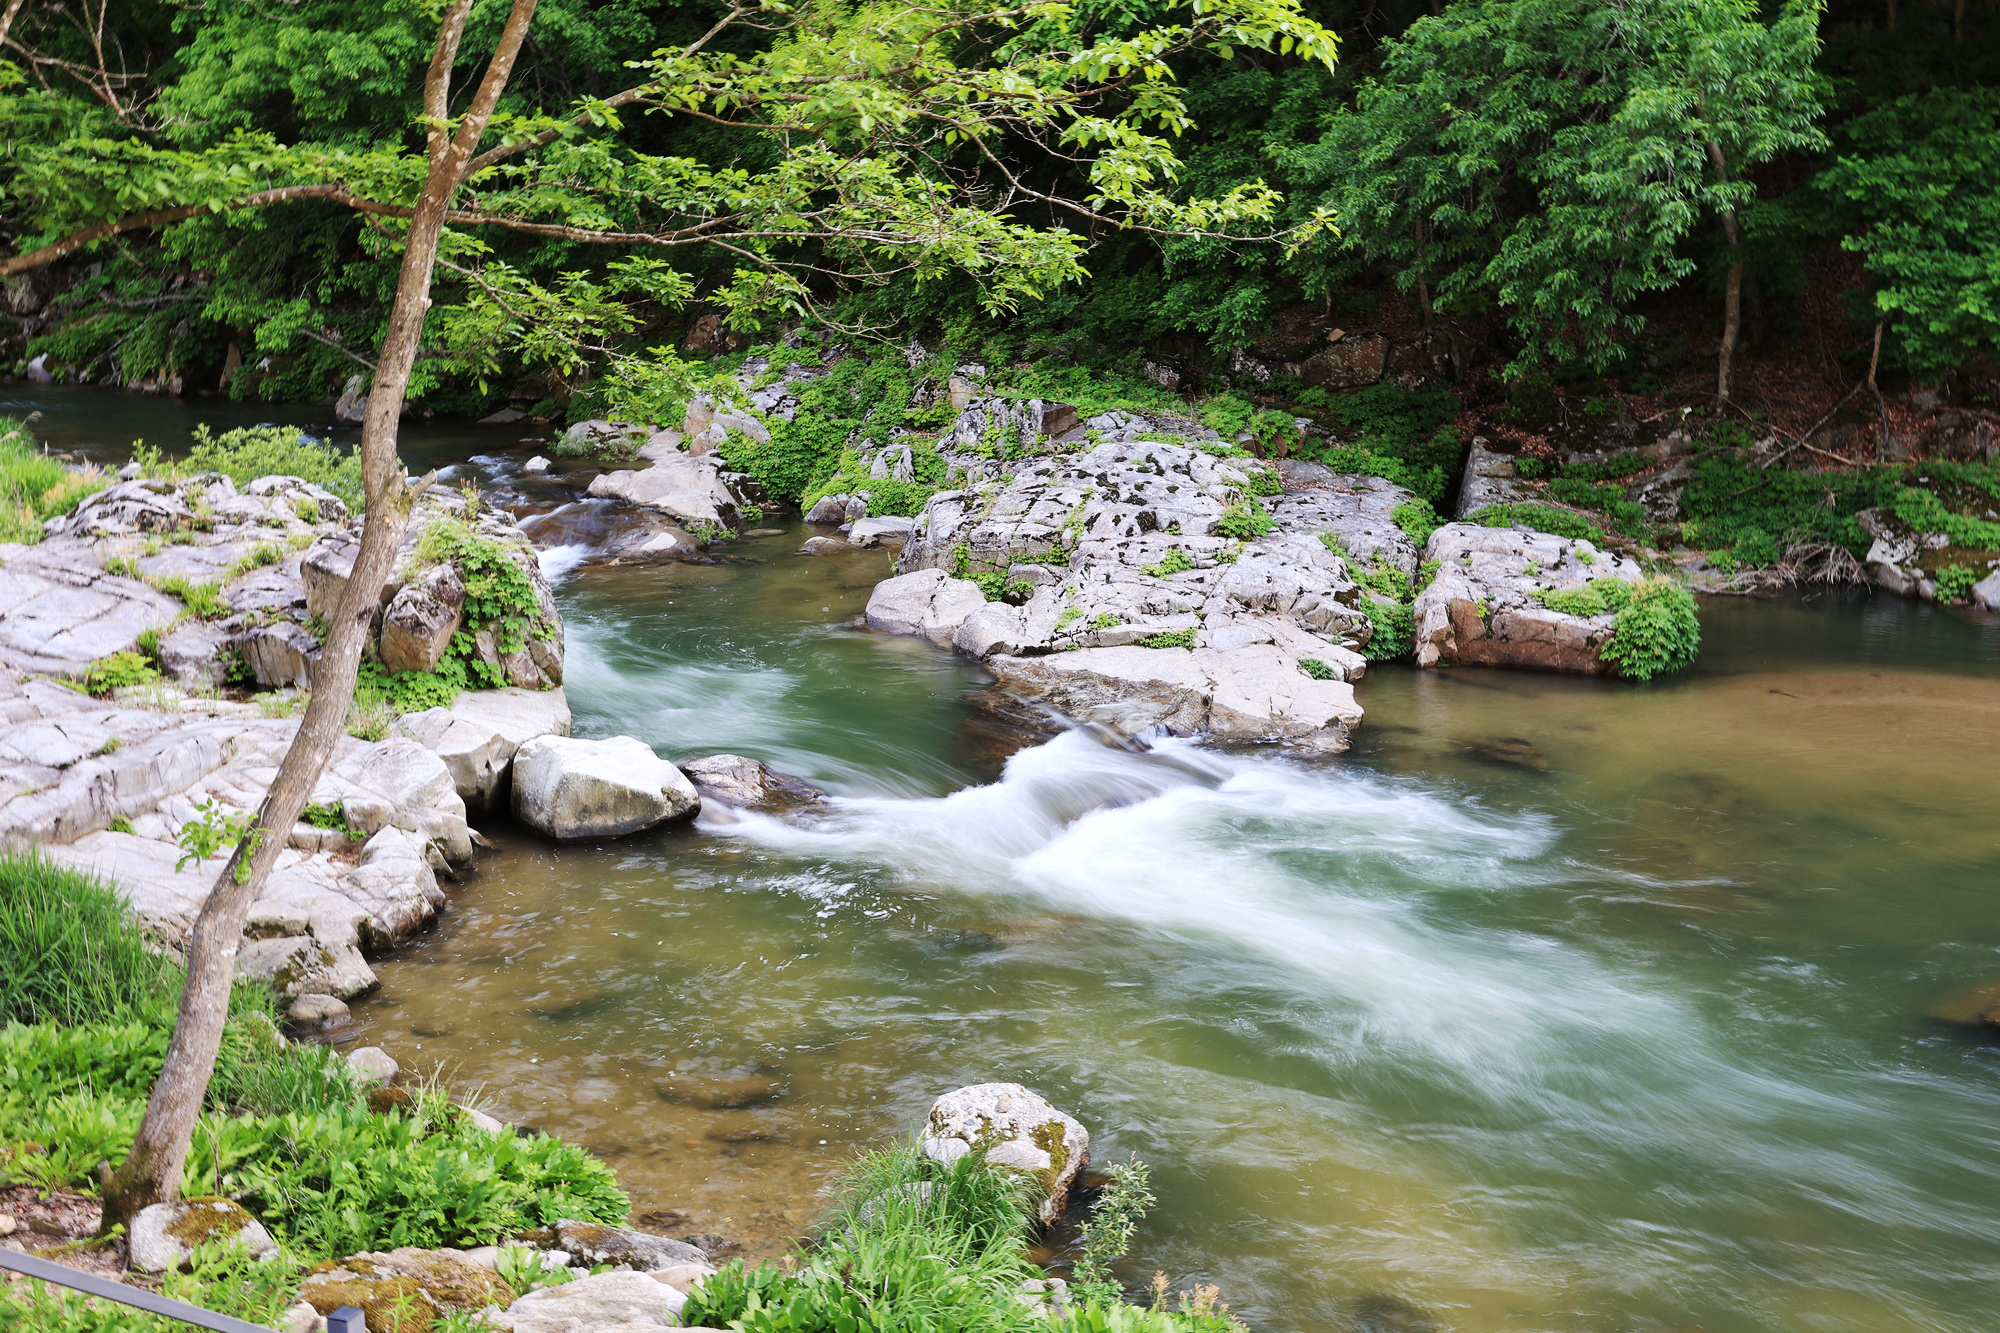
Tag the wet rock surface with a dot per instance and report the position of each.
(747, 784)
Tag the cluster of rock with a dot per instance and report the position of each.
(1907, 562)
(1483, 606)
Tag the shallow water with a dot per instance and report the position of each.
(1557, 1004)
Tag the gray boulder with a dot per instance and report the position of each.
(163, 1236)
(372, 1064)
(418, 624)
(602, 1303)
(594, 1243)
(926, 601)
(478, 735)
(1018, 1130)
(746, 784)
(1482, 607)
(573, 790)
(1250, 692)
(687, 487)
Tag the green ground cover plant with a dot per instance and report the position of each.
(1657, 631)
(245, 454)
(1539, 518)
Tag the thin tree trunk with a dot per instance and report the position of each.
(1958, 21)
(152, 1173)
(7, 17)
(1423, 287)
(1732, 298)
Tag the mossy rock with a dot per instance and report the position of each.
(390, 1304)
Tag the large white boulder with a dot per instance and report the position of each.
(577, 789)
(591, 1304)
(479, 733)
(1255, 692)
(1018, 1130)
(928, 602)
(689, 488)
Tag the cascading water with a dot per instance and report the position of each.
(1558, 1005)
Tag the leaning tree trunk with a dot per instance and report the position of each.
(152, 1172)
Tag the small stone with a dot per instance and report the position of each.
(372, 1064)
(535, 466)
(724, 1094)
(7, 1224)
(481, 1120)
(682, 1277)
(825, 546)
(317, 1013)
(302, 1318)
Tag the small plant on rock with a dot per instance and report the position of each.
(1658, 631)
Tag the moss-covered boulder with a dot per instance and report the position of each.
(1018, 1130)
(163, 1236)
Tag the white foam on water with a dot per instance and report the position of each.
(559, 562)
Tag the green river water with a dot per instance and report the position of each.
(1554, 1005)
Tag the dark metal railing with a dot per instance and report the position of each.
(347, 1319)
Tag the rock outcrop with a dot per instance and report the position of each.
(573, 790)
(1905, 561)
(1485, 607)
(1018, 1130)
(107, 787)
(1146, 583)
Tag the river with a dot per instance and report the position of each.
(1554, 1005)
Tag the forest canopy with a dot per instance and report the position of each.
(209, 190)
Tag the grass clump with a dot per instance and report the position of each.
(67, 954)
(35, 487)
(118, 671)
(1540, 518)
(1173, 562)
(1246, 520)
(251, 452)
(1173, 638)
(1602, 595)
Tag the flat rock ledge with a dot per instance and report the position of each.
(105, 787)
(1482, 608)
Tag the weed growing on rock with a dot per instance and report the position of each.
(1246, 520)
(118, 671)
(1954, 582)
(1173, 562)
(1174, 638)
(1317, 669)
(1540, 518)
(1417, 520)
(1601, 596)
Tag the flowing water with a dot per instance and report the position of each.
(1555, 1005)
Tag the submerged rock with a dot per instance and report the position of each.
(1018, 1130)
(573, 790)
(1482, 608)
(745, 783)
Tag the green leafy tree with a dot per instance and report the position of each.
(1556, 156)
(1917, 189)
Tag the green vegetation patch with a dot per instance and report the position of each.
(1539, 518)
(1657, 631)
(276, 451)
(35, 487)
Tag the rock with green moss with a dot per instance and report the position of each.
(406, 1289)
(164, 1236)
(1505, 597)
(1018, 1130)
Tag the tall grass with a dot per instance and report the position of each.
(34, 486)
(68, 953)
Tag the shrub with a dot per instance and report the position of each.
(1417, 520)
(1172, 563)
(1659, 630)
(1954, 582)
(284, 451)
(1317, 669)
(67, 953)
(1121, 1206)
